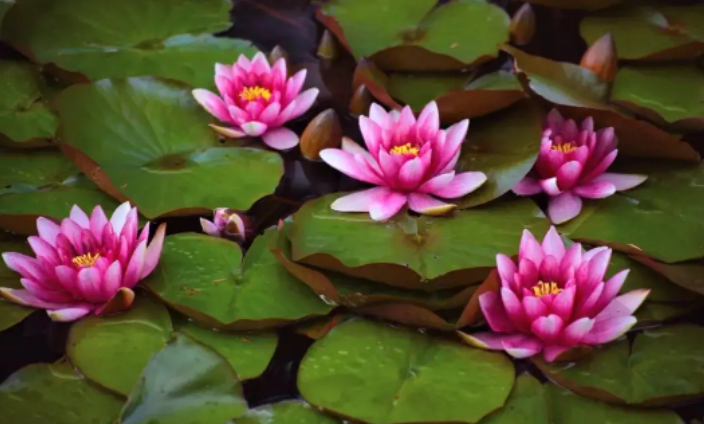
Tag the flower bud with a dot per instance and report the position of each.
(601, 58)
(323, 132)
(277, 53)
(226, 224)
(522, 27)
(328, 48)
(361, 100)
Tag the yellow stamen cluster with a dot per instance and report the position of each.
(543, 289)
(85, 260)
(251, 94)
(405, 149)
(564, 148)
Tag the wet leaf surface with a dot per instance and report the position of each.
(380, 374)
(153, 142)
(525, 405)
(112, 351)
(286, 412)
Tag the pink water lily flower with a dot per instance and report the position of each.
(85, 264)
(257, 99)
(555, 300)
(227, 224)
(410, 161)
(572, 165)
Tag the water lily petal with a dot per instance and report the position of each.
(209, 228)
(563, 303)
(428, 205)
(495, 313)
(575, 332)
(379, 116)
(304, 101)
(411, 174)
(280, 138)
(254, 128)
(601, 167)
(550, 186)
(360, 201)
(547, 328)
(69, 314)
(553, 244)
(90, 283)
(437, 182)
(345, 163)
(491, 341)
(135, 266)
(371, 132)
(611, 288)
(385, 208)
(428, 121)
(153, 252)
(48, 230)
(534, 307)
(505, 267)
(79, 217)
(568, 175)
(595, 190)
(514, 309)
(608, 330)
(212, 103)
(294, 85)
(621, 181)
(564, 207)
(461, 185)
(528, 186)
(530, 249)
(522, 347)
(623, 305)
(24, 297)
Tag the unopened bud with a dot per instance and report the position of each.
(227, 224)
(277, 53)
(601, 58)
(361, 100)
(522, 27)
(328, 47)
(323, 132)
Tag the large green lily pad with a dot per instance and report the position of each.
(56, 394)
(504, 146)
(286, 412)
(577, 4)
(113, 350)
(525, 405)
(186, 383)
(689, 275)
(461, 33)
(380, 374)
(412, 252)
(642, 277)
(43, 182)
(664, 365)
(127, 38)
(673, 92)
(24, 114)
(645, 32)
(152, 140)
(247, 353)
(661, 218)
(207, 279)
(11, 313)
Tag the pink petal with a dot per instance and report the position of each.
(550, 186)
(280, 138)
(24, 265)
(428, 205)
(135, 266)
(270, 113)
(90, 283)
(98, 220)
(523, 347)
(454, 138)
(390, 165)
(621, 181)
(623, 305)
(611, 288)
(514, 309)
(600, 168)
(383, 209)
(46, 291)
(304, 101)
(209, 228)
(588, 305)
(495, 313)
(279, 74)
(492, 341)
(379, 116)
(437, 182)
(549, 269)
(551, 352)
(118, 218)
(411, 174)
(48, 230)
(549, 162)
(555, 120)
(72, 231)
(461, 185)
(223, 70)
(534, 307)
(568, 174)
(23, 297)
(259, 64)
(69, 314)
(506, 268)
(547, 328)
(112, 279)
(371, 132)
(244, 63)
(153, 253)
(553, 244)
(530, 249)
(595, 190)
(609, 330)
(428, 122)
(528, 271)
(44, 250)
(564, 207)
(569, 130)
(571, 260)
(254, 128)
(212, 103)
(528, 186)
(575, 332)
(598, 266)
(294, 85)
(68, 278)
(563, 304)
(360, 201)
(79, 217)
(345, 163)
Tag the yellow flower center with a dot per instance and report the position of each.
(564, 147)
(251, 94)
(543, 289)
(405, 149)
(85, 260)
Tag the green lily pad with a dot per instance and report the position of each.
(379, 374)
(56, 394)
(577, 4)
(287, 412)
(504, 146)
(113, 350)
(525, 405)
(642, 32)
(463, 32)
(669, 205)
(686, 19)
(205, 278)
(151, 136)
(5, 5)
(664, 365)
(651, 313)
(455, 96)
(127, 38)
(24, 114)
(412, 252)
(12, 314)
(186, 383)
(43, 182)
(689, 275)
(673, 92)
(247, 353)
(642, 277)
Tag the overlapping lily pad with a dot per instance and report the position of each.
(153, 142)
(413, 252)
(113, 350)
(207, 279)
(577, 4)
(44, 393)
(247, 353)
(660, 219)
(209, 392)
(25, 117)
(648, 31)
(642, 277)
(664, 365)
(43, 183)
(286, 412)
(11, 313)
(126, 38)
(689, 275)
(417, 36)
(380, 374)
(579, 93)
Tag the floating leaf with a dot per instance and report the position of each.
(207, 392)
(653, 313)
(378, 374)
(11, 313)
(642, 277)
(579, 93)
(127, 38)
(664, 365)
(525, 405)
(669, 205)
(689, 275)
(150, 136)
(56, 394)
(247, 353)
(417, 36)
(644, 32)
(24, 115)
(286, 412)
(113, 350)
(412, 252)
(205, 278)
(504, 146)
(43, 183)
(577, 4)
